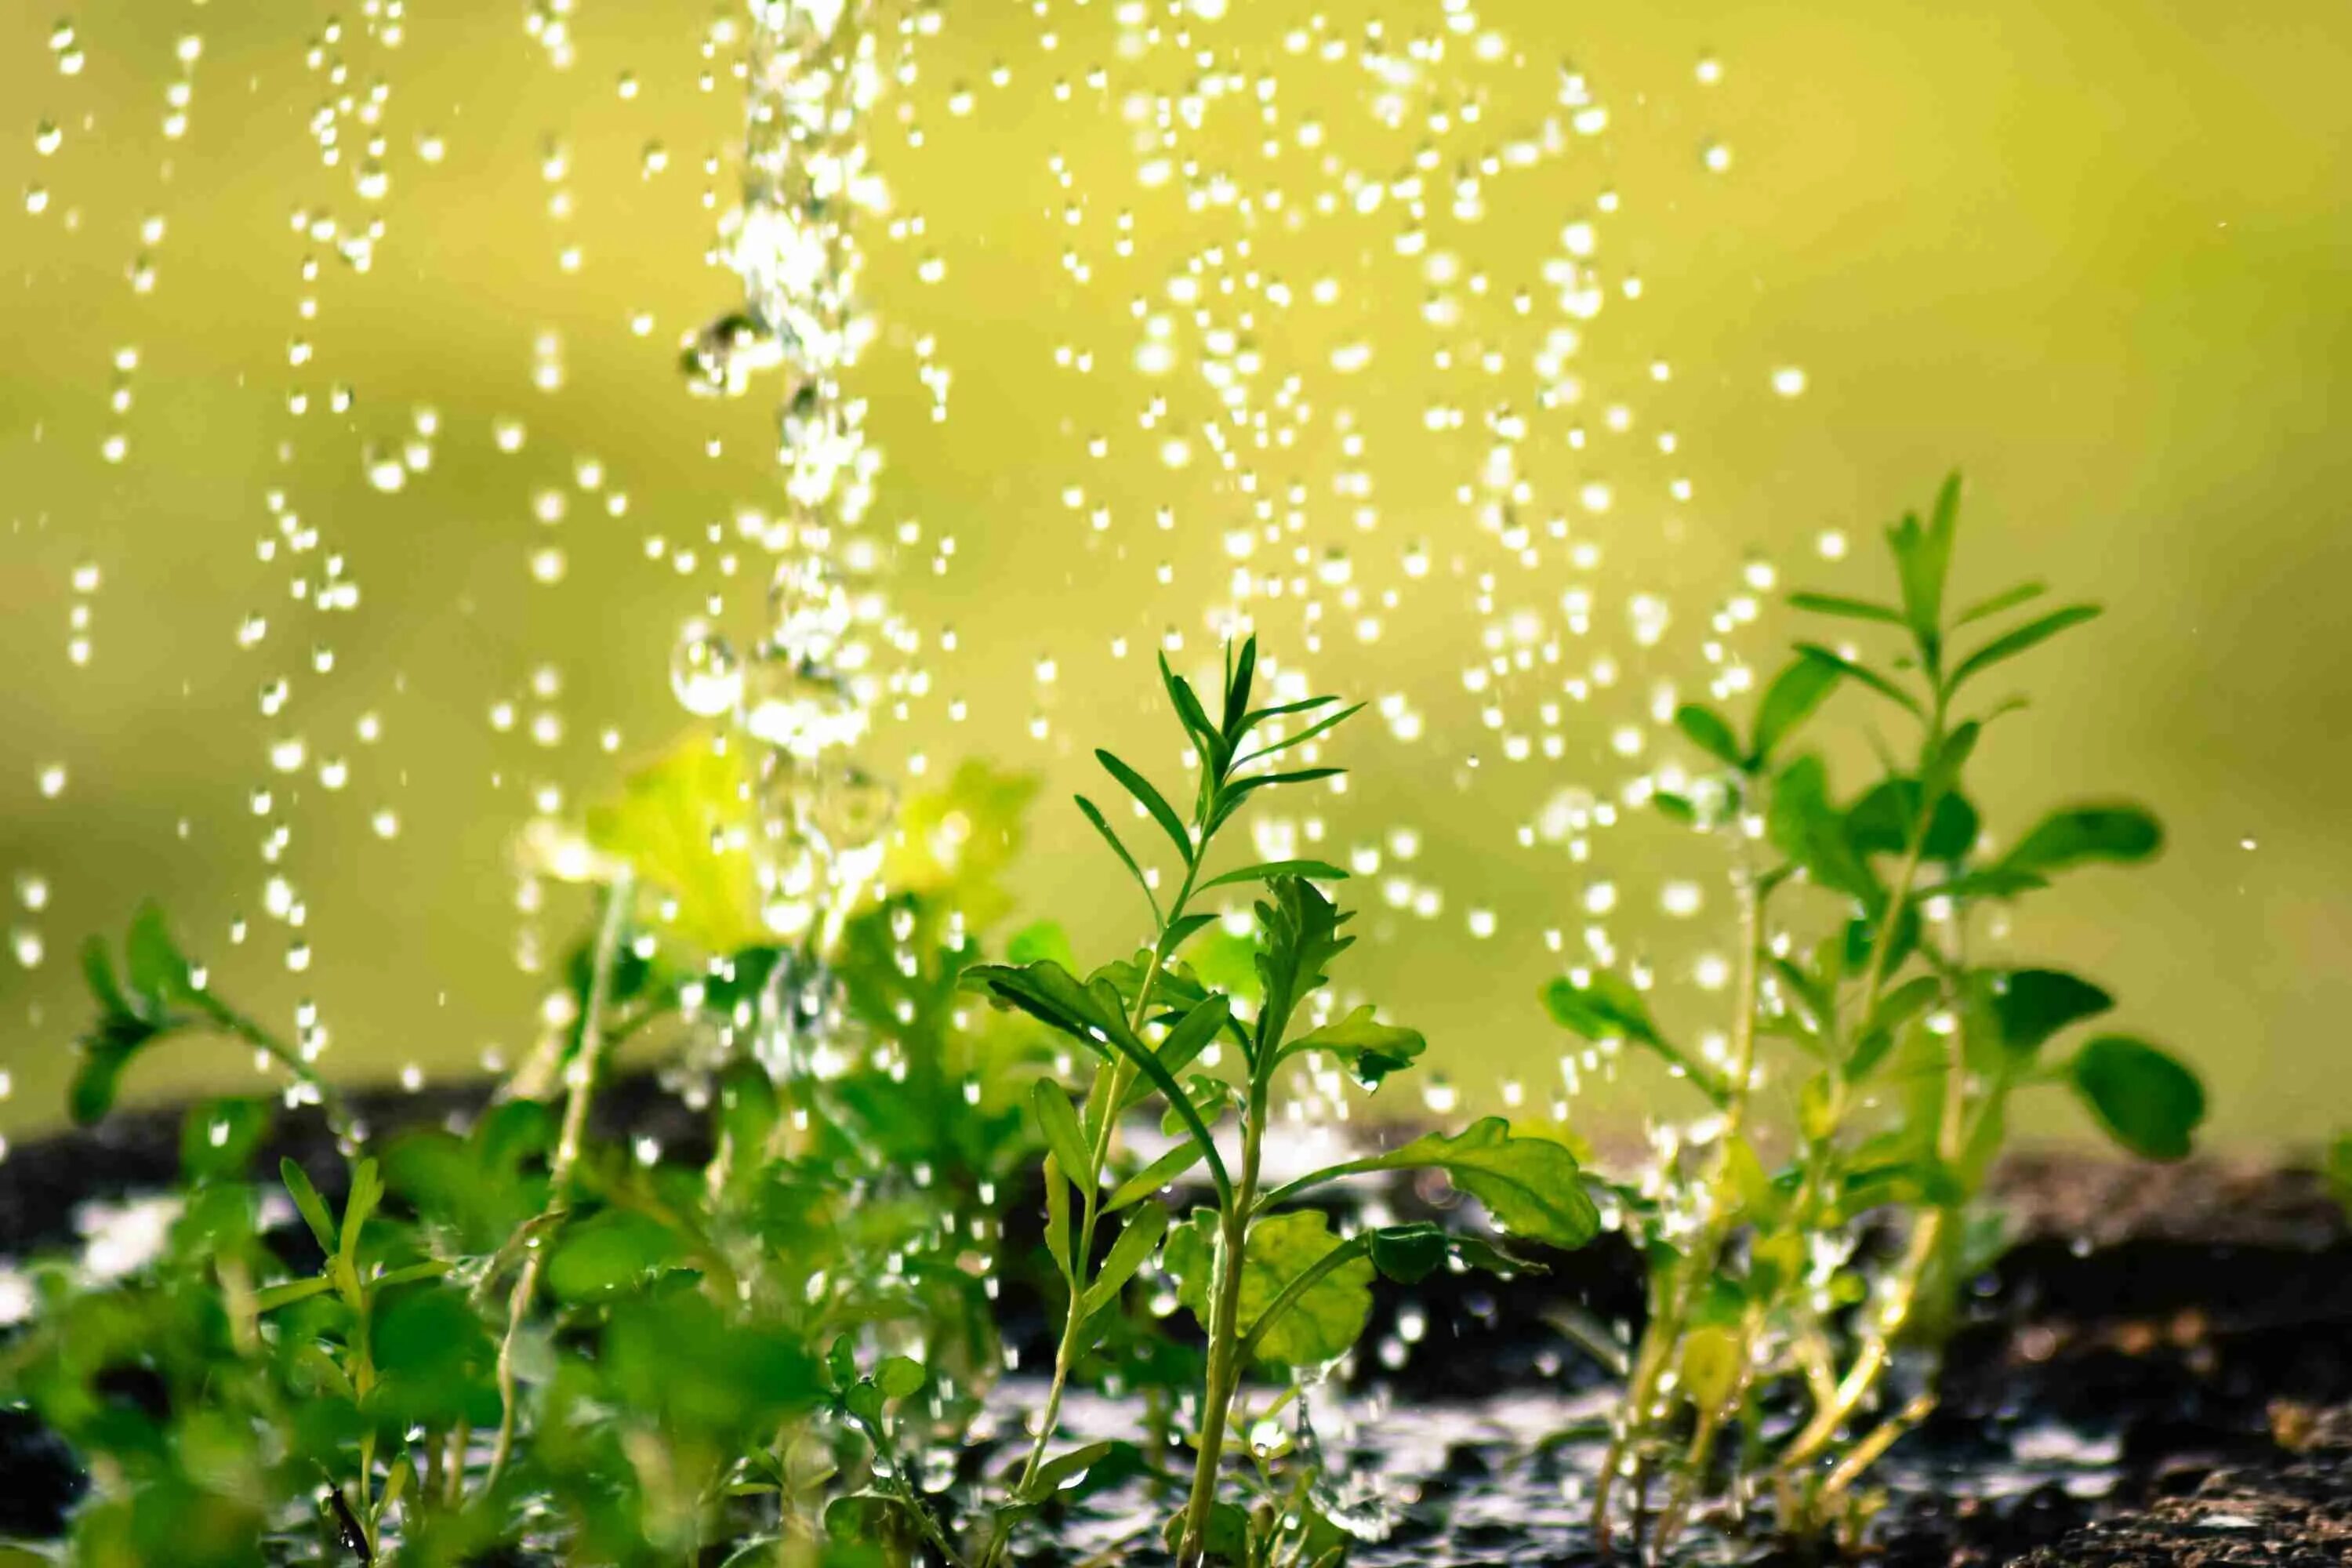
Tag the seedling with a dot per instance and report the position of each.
(1859, 954)
(1268, 1283)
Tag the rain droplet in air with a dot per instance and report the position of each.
(704, 673)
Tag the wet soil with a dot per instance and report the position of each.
(2159, 1371)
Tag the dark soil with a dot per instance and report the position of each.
(2149, 1376)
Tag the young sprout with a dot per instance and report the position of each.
(1856, 950)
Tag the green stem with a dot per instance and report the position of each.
(1226, 1345)
(580, 1086)
(1663, 1334)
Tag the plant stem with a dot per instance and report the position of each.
(580, 1087)
(1225, 1334)
(1664, 1332)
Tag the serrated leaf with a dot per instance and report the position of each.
(1606, 1007)
(1706, 729)
(1137, 1240)
(1324, 1322)
(1301, 930)
(1530, 1185)
(2031, 634)
(1370, 1051)
(2147, 1101)
(1153, 802)
(1791, 698)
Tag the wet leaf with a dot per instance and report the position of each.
(610, 1253)
(2146, 1100)
(1267, 871)
(1301, 928)
(1137, 1240)
(899, 1377)
(218, 1138)
(678, 825)
(1063, 1135)
(1323, 1324)
(1530, 1185)
(1369, 1050)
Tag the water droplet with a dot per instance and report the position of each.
(52, 779)
(705, 674)
(1789, 381)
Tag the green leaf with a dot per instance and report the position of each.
(1058, 1219)
(1675, 807)
(1328, 722)
(1151, 800)
(2008, 599)
(1239, 673)
(2012, 644)
(1063, 1134)
(292, 1290)
(1267, 871)
(1093, 814)
(367, 1191)
(1154, 1176)
(218, 1138)
(1302, 938)
(1706, 730)
(1370, 1051)
(1090, 1013)
(610, 1253)
(899, 1377)
(1605, 1009)
(1852, 609)
(679, 824)
(2335, 1166)
(312, 1207)
(1791, 698)
(153, 962)
(1864, 674)
(2147, 1101)
(1411, 1253)
(1320, 1326)
(1206, 736)
(2029, 1005)
(1043, 939)
(2124, 833)
(1883, 820)
(1531, 1185)
(1923, 558)
(1804, 825)
(1710, 1365)
(1137, 1240)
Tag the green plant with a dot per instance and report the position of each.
(525, 1330)
(1857, 951)
(1269, 1283)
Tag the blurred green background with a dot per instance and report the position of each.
(2092, 253)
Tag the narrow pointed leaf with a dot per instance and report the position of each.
(1267, 871)
(1791, 698)
(312, 1207)
(1154, 1176)
(1151, 800)
(2031, 634)
(1328, 722)
(1136, 1241)
(2008, 599)
(1852, 609)
(1864, 674)
(1064, 1139)
(1095, 816)
(1706, 730)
